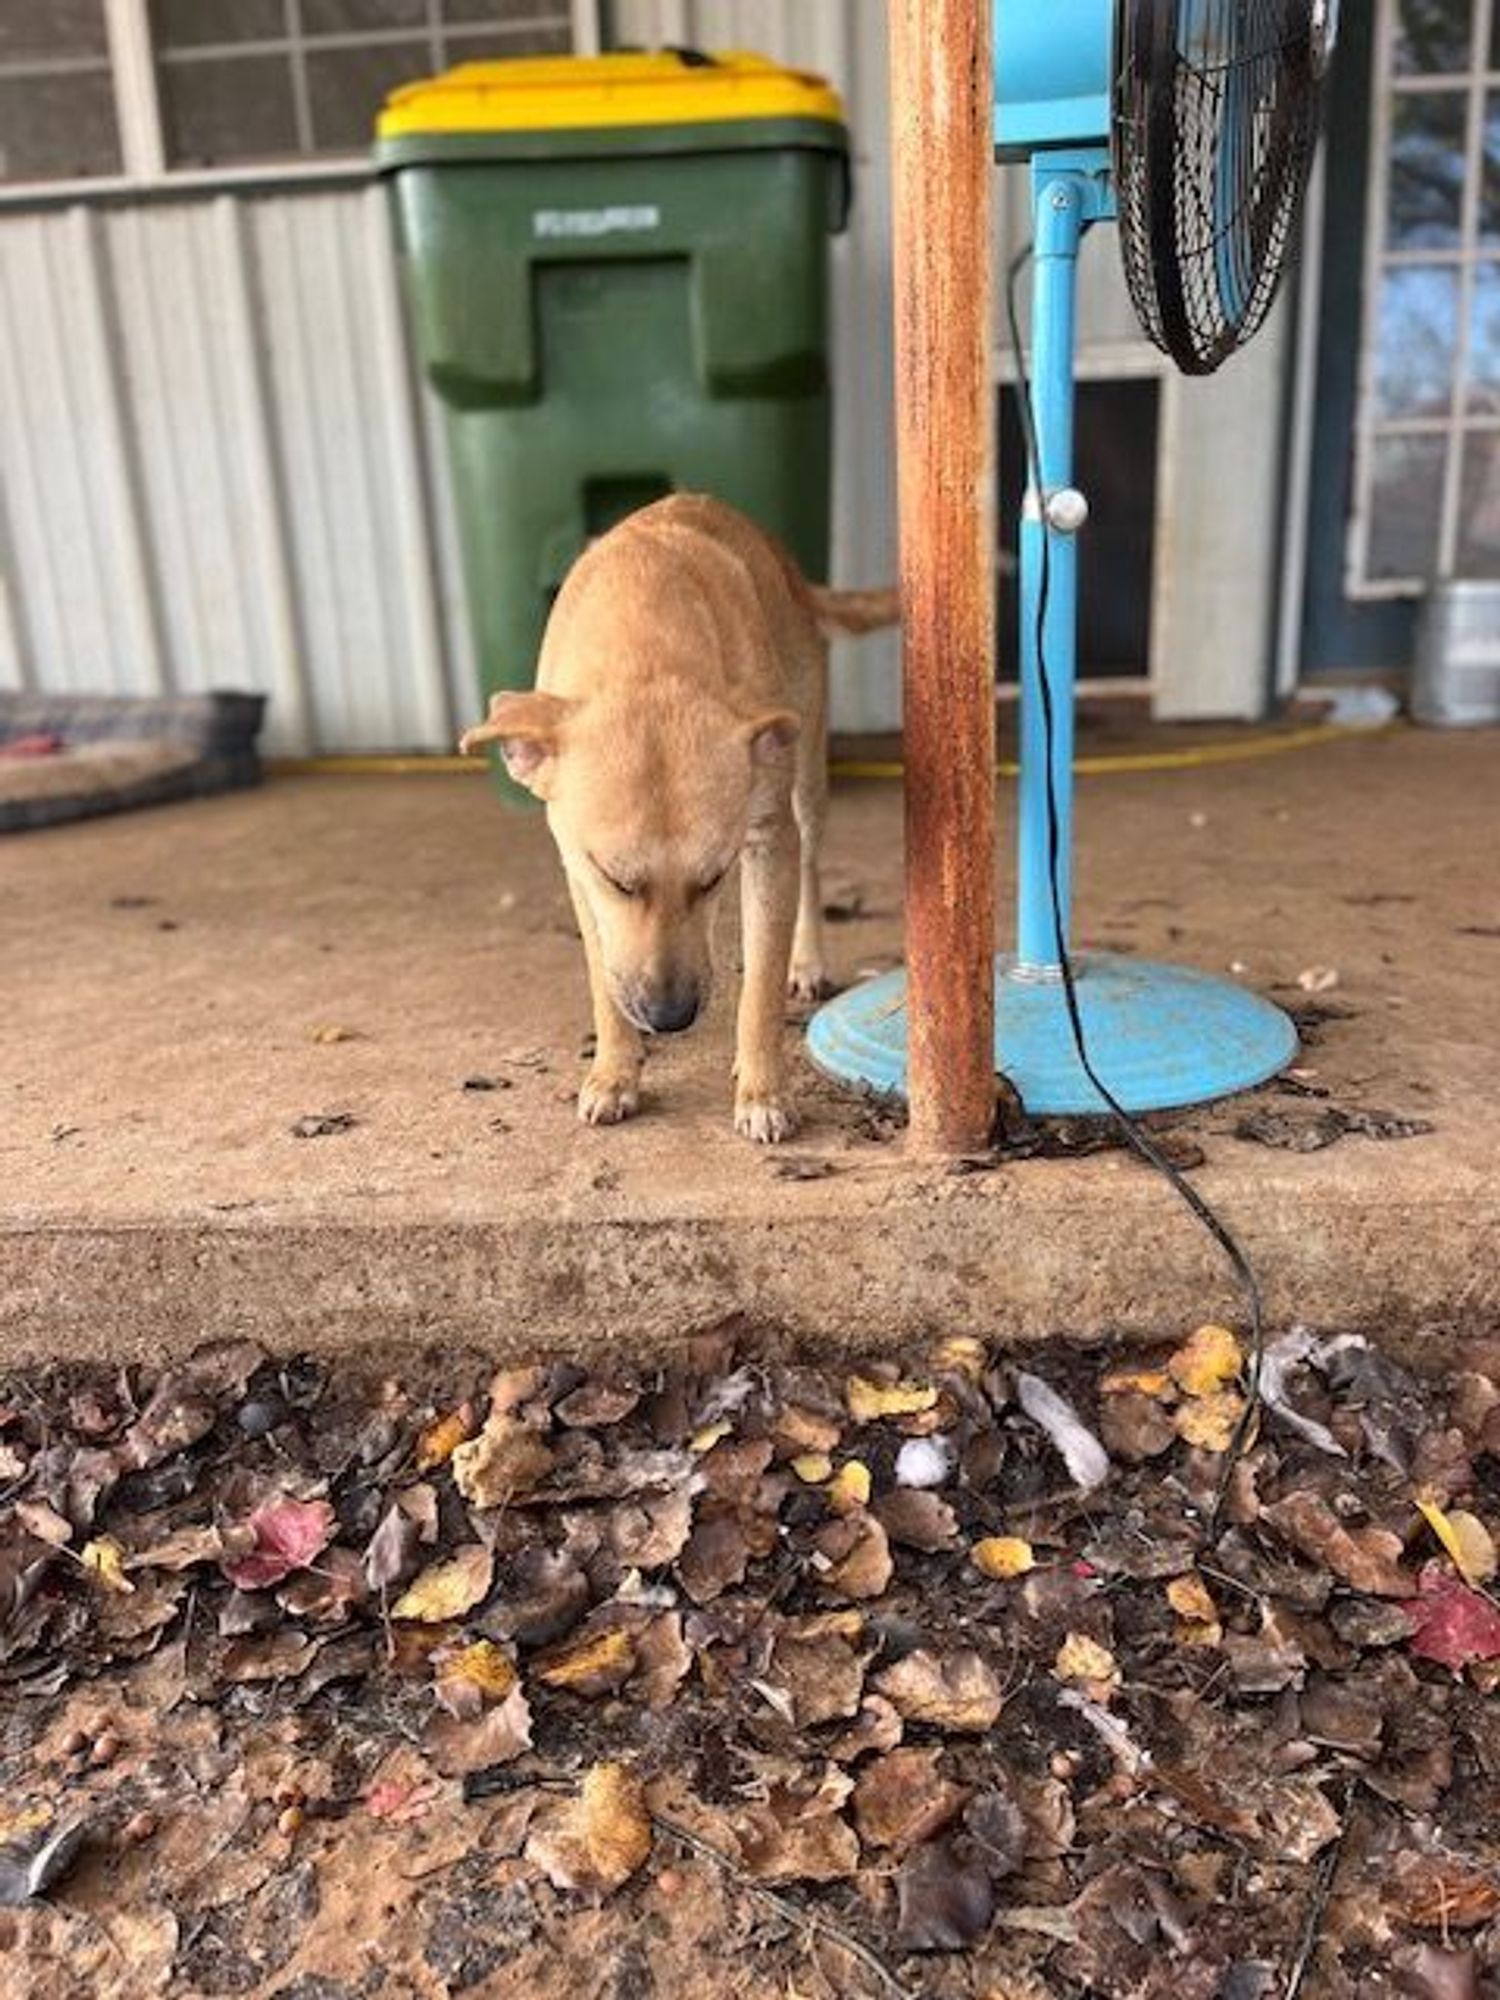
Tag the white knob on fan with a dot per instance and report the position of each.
(1066, 509)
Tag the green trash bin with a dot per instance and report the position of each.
(617, 274)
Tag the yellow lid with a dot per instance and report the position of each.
(556, 93)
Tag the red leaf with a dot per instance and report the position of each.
(288, 1535)
(1451, 1623)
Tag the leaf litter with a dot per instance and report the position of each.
(910, 1680)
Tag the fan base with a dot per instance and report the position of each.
(1157, 1035)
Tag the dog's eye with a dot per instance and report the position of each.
(628, 889)
(709, 884)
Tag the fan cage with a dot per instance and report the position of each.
(1217, 106)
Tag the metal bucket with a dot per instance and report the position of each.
(1457, 679)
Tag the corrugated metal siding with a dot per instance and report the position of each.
(217, 470)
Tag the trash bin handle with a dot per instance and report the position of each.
(689, 58)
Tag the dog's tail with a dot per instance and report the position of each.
(854, 610)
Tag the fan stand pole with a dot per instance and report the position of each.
(1062, 203)
(942, 179)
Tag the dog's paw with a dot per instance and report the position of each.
(764, 1116)
(809, 982)
(608, 1100)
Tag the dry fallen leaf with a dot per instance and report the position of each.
(849, 1487)
(289, 1534)
(813, 1467)
(601, 1839)
(1318, 978)
(473, 1676)
(819, 1676)
(104, 1560)
(1154, 1382)
(1450, 1623)
(508, 1457)
(441, 1439)
(961, 1692)
(1208, 1361)
(596, 1664)
(1209, 1421)
(855, 1558)
(1003, 1556)
(446, 1590)
(799, 1836)
(1367, 1558)
(460, 1745)
(1465, 1537)
(1082, 1659)
(903, 1798)
(869, 1401)
(1189, 1597)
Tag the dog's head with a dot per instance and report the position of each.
(650, 804)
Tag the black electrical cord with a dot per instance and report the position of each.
(1131, 1130)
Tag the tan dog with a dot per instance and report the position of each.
(679, 725)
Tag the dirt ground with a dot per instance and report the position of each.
(299, 1064)
(951, 1679)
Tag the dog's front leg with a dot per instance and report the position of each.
(769, 872)
(611, 1091)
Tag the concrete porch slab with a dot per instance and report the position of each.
(165, 976)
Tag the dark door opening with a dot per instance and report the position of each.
(1115, 449)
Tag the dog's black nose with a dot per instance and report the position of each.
(670, 1013)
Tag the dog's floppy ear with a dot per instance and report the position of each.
(772, 735)
(526, 725)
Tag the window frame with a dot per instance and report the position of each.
(133, 61)
(1477, 82)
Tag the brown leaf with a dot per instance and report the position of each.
(732, 1470)
(917, 1519)
(788, 1841)
(328, 1592)
(392, 1556)
(903, 1798)
(943, 1904)
(595, 1405)
(821, 1677)
(596, 1663)
(448, 1589)
(878, 1726)
(648, 1533)
(498, 1735)
(441, 1439)
(960, 1693)
(1135, 1427)
(663, 1659)
(507, 1458)
(716, 1557)
(856, 1558)
(602, 1838)
(1365, 1558)
(268, 1656)
(542, 1597)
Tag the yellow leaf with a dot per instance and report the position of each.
(1465, 1537)
(104, 1559)
(448, 1589)
(871, 1400)
(1211, 1358)
(1189, 1598)
(608, 1657)
(440, 1440)
(482, 1666)
(507, 1457)
(600, 1841)
(1003, 1556)
(1153, 1382)
(710, 1435)
(1080, 1658)
(962, 1355)
(849, 1487)
(1209, 1422)
(812, 1467)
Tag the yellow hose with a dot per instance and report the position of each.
(1242, 750)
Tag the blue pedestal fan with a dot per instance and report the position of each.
(1192, 125)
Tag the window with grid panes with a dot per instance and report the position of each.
(249, 80)
(1430, 415)
(57, 103)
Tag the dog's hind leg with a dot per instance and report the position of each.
(768, 897)
(807, 978)
(611, 1091)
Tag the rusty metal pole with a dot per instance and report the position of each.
(942, 182)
